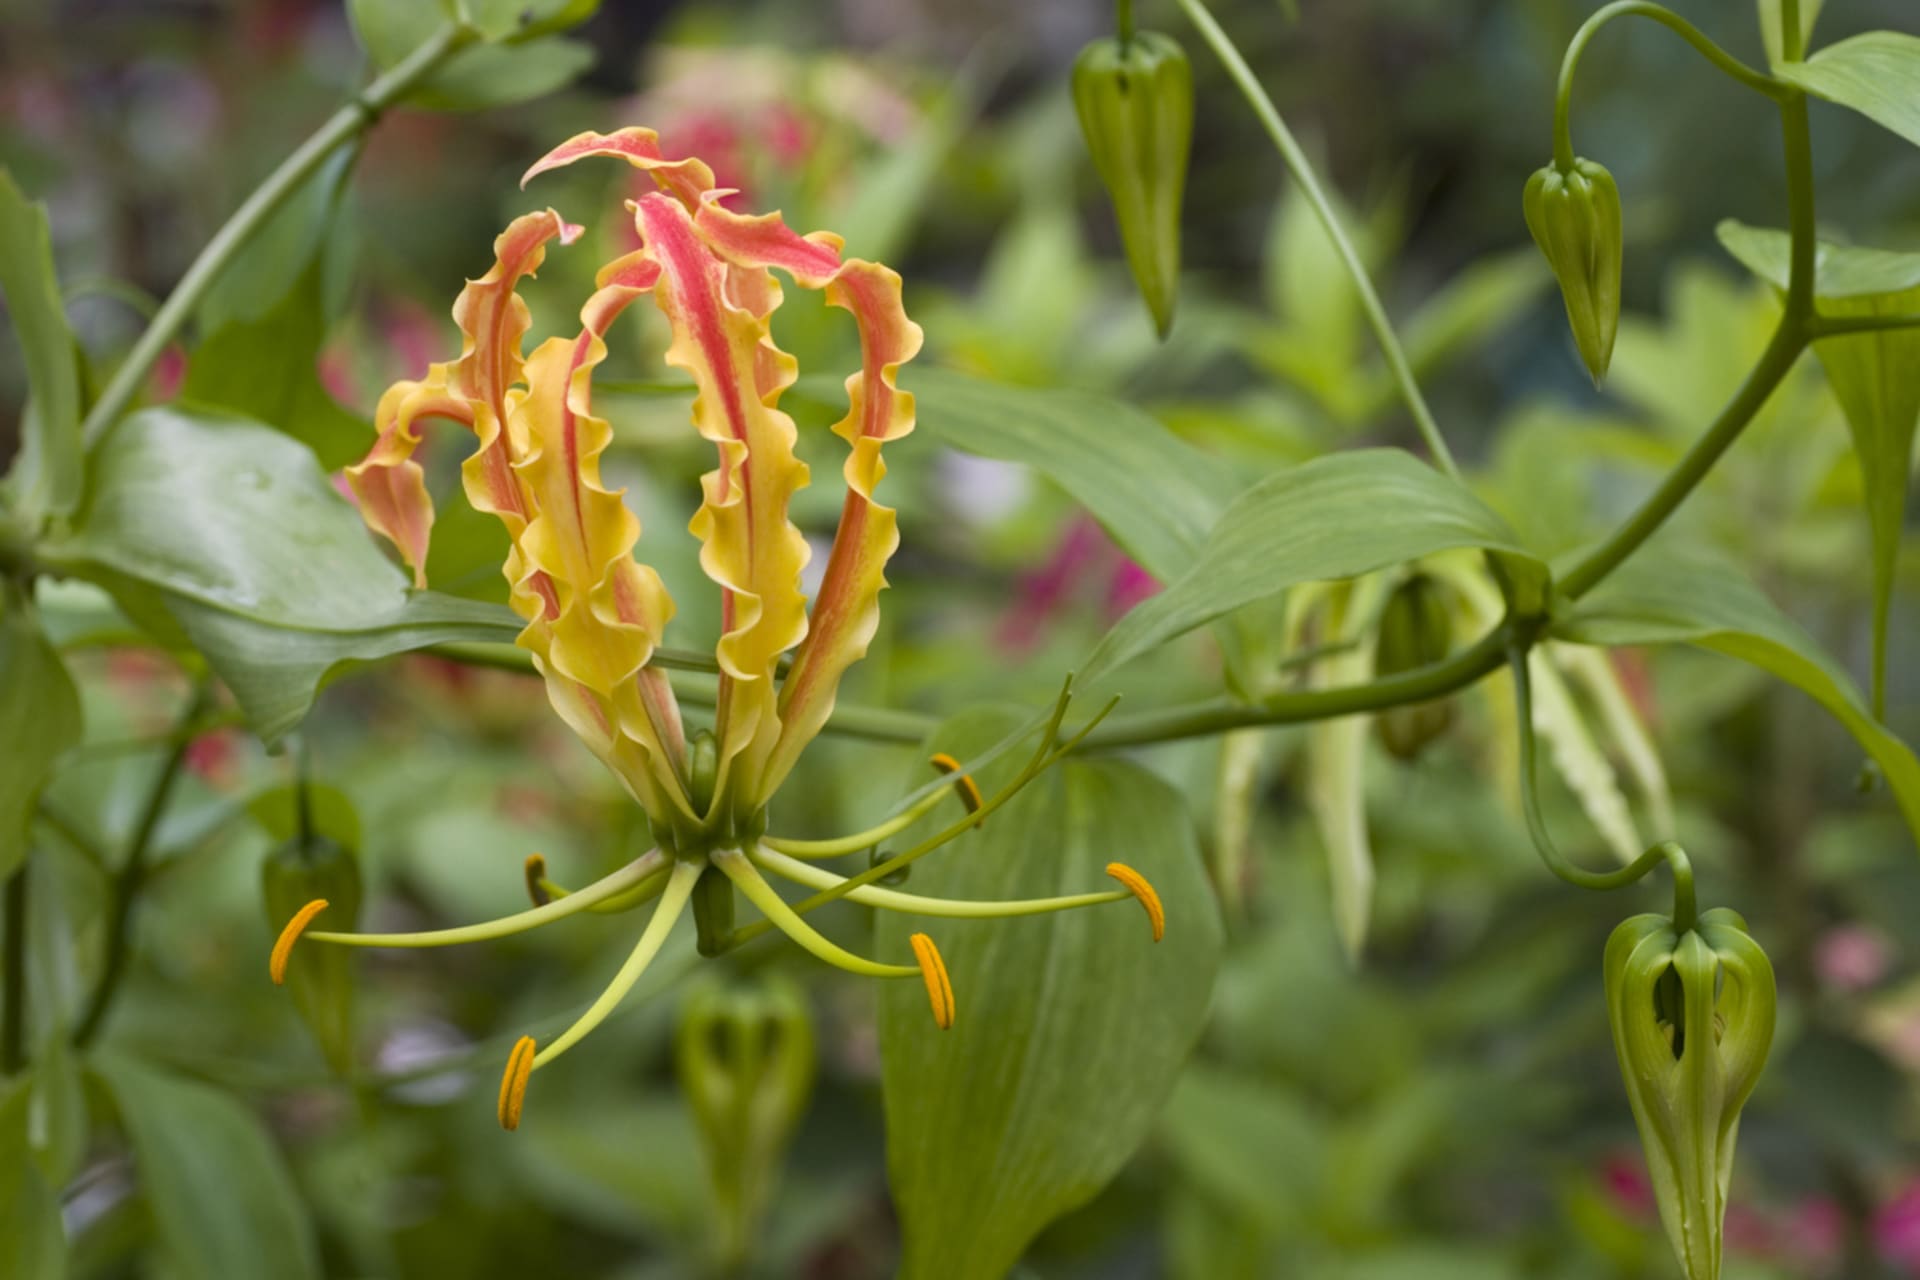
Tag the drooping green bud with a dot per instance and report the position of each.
(298, 872)
(745, 1061)
(1692, 1014)
(1574, 216)
(1416, 630)
(1135, 99)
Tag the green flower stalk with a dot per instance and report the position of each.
(1574, 215)
(1134, 94)
(1692, 1010)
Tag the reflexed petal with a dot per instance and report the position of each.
(687, 179)
(720, 317)
(609, 611)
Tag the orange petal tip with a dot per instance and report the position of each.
(1136, 884)
(513, 1082)
(939, 985)
(283, 945)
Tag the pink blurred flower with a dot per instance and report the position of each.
(1852, 957)
(169, 373)
(215, 757)
(1625, 1179)
(1815, 1234)
(1084, 557)
(1896, 1228)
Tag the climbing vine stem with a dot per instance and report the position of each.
(1685, 908)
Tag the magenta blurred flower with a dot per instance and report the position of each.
(1896, 1228)
(1624, 1176)
(1084, 562)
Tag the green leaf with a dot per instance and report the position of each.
(33, 1243)
(266, 370)
(512, 69)
(1770, 24)
(1156, 495)
(499, 75)
(46, 477)
(1667, 595)
(1840, 271)
(1876, 74)
(39, 719)
(1071, 1028)
(56, 1128)
(222, 1199)
(1334, 517)
(1876, 378)
(275, 671)
(267, 569)
(232, 514)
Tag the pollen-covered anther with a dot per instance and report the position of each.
(939, 986)
(536, 871)
(1136, 884)
(283, 945)
(962, 782)
(513, 1083)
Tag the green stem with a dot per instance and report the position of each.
(1793, 41)
(1684, 906)
(1302, 171)
(132, 874)
(13, 999)
(343, 126)
(1759, 82)
(1787, 343)
(1123, 21)
(1422, 684)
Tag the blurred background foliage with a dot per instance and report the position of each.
(1448, 1108)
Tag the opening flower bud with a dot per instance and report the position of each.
(1692, 1014)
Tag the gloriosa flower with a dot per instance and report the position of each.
(594, 615)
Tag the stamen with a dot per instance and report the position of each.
(626, 878)
(513, 1084)
(859, 840)
(914, 904)
(672, 902)
(962, 782)
(283, 945)
(535, 868)
(939, 986)
(735, 866)
(1137, 885)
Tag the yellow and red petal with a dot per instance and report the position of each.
(749, 546)
(687, 179)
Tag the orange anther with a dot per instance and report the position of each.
(1137, 885)
(962, 782)
(939, 986)
(536, 871)
(513, 1084)
(283, 945)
